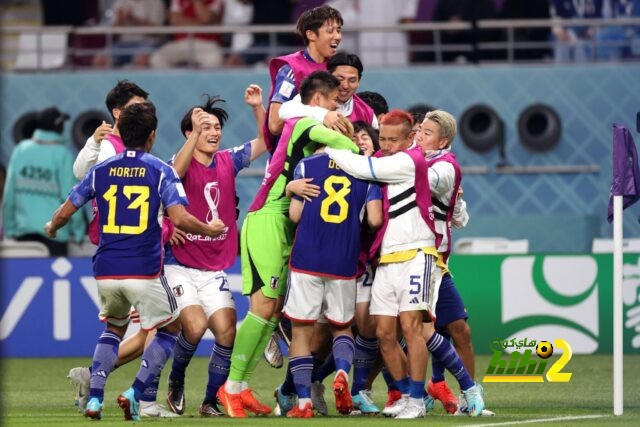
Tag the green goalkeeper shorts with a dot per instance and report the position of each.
(265, 246)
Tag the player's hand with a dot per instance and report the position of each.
(460, 193)
(253, 96)
(178, 237)
(333, 120)
(349, 131)
(101, 131)
(217, 227)
(303, 188)
(49, 231)
(198, 118)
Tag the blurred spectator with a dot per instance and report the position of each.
(619, 42)
(39, 178)
(528, 9)
(264, 13)
(377, 49)
(202, 50)
(420, 39)
(467, 11)
(133, 48)
(574, 43)
(236, 12)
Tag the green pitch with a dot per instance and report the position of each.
(35, 392)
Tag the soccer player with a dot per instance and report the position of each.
(348, 69)
(195, 268)
(406, 284)
(320, 29)
(323, 265)
(131, 190)
(266, 238)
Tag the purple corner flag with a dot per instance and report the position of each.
(626, 173)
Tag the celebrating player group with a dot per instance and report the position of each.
(344, 249)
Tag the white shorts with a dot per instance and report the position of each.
(152, 298)
(310, 297)
(363, 285)
(208, 289)
(406, 286)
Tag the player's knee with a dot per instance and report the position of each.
(387, 336)
(193, 328)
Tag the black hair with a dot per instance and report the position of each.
(313, 19)
(375, 101)
(136, 123)
(343, 58)
(207, 107)
(373, 134)
(122, 93)
(418, 112)
(318, 81)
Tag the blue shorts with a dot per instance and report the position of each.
(449, 307)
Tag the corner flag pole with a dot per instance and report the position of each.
(617, 306)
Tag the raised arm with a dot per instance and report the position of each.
(295, 108)
(182, 159)
(253, 98)
(393, 169)
(333, 139)
(88, 156)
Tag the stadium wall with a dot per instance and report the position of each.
(49, 306)
(556, 212)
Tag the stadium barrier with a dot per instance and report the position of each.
(49, 305)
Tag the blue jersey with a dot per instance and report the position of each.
(130, 190)
(327, 241)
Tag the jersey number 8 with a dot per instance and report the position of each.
(140, 202)
(338, 197)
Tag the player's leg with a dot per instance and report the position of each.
(193, 320)
(156, 303)
(114, 308)
(303, 305)
(220, 307)
(411, 322)
(323, 363)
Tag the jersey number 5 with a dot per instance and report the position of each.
(338, 197)
(140, 202)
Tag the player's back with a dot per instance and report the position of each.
(128, 192)
(327, 241)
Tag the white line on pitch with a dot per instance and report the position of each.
(541, 420)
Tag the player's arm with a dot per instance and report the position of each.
(460, 216)
(88, 155)
(79, 195)
(374, 206)
(77, 224)
(187, 222)
(442, 176)
(253, 98)
(182, 159)
(284, 90)
(332, 139)
(392, 169)
(295, 108)
(295, 210)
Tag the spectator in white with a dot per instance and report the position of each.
(38, 181)
(134, 49)
(377, 49)
(202, 49)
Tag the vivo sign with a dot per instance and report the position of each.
(49, 307)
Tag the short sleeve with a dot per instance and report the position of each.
(241, 156)
(285, 85)
(374, 192)
(84, 190)
(298, 173)
(171, 190)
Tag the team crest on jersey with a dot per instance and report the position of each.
(178, 290)
(273, 283)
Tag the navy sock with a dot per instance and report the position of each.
(219, 364)
(444, 351)
(151, 392)
(391, 384)
(404, 385)
(182, 354)
(322, 368)
(301, 368)
(104, 359)
(365, 357)
(288, 388)
(343, 352)
(153, 360)
(437, 368)
(416, 389)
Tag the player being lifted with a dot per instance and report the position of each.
(266, 238)
(131, 190)
(195, 267)
(406, 284)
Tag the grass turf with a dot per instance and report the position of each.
(35, 392)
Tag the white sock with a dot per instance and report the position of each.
(233, 387)
(338, 373)
(303, 402)
(416, 402)
(244, 385)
